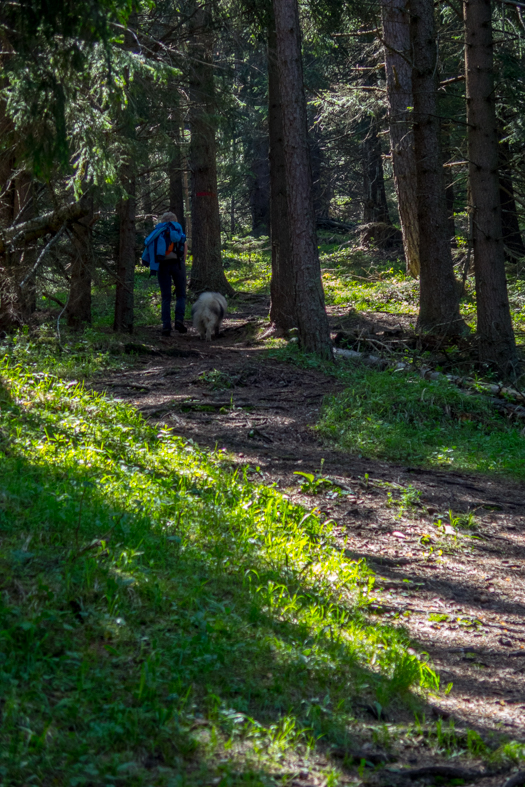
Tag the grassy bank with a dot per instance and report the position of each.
(401, 417)
(167, 620)
(407, 419)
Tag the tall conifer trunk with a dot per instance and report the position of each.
(438, 293)
(494, 326)
(282, 287)
(314, 334)
(175, 170)
(78, 311)
(126, 212)
(375, 208)
(147, 203)
(396, 37)
(207, 272)
(124, 297)
(259, 184)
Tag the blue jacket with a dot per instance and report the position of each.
(156, 247)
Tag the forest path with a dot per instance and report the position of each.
(465, 607)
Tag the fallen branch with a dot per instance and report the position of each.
(369, 360)
(332, 224)
(500, 394)
(52, 298)
(42, 225)
(518, 780)
(446, 771)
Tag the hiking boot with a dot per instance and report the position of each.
(166, 332)
(180, 327)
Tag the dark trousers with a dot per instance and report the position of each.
(172, 271)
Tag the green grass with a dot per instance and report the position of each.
(248, 262)
(163, 618)
(404, 418)
(401, 417)
(71, 355)
(352, 276)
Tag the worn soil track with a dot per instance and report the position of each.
(465, 606)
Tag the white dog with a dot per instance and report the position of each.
(207, 313)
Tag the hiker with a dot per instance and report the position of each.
(165, 253)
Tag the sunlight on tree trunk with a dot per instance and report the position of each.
(396, 38)
(312, 321)
(207, 272)
(438, 291)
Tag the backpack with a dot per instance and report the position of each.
(159, 241)
(175, 246)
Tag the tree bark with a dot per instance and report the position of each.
(449, 187)
(282, 286)
(259, 185)
(124, 297)
(147, 204)
(207, 272)
(512, 237)
(396, 38)
(78, 311)
(438, 292)
(314, 334)
(16, 202)
(175, 171)
(32, 229)
(375, 208)
(494, 325)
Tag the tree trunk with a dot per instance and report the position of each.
(396, 37)
(175, 172)
(259, 186)
(282, 286)
(449, 187)
(124, 300)
(16, 206)
(187, 200)
(494, 326)
(78, 309)
(512, 237)
(16, 305)
(438, 293)
(147, 204)
(126, 212)
(321, 176)
(314, 334)
(375, 208)
(207, 272)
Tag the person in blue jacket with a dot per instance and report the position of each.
(165, 253)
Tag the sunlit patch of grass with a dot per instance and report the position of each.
(163, 617)
(248, 264)
(68, 354)
(353, 276)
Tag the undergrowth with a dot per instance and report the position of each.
(163, 618)
(402, 417)
(405, 418)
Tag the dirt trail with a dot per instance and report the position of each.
(465, 607)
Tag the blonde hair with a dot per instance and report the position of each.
(168, 217)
